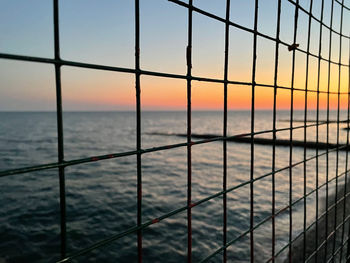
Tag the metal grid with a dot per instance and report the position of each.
(344, 248)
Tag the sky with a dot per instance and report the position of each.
(102, 32)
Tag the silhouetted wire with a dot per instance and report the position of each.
(254, 178)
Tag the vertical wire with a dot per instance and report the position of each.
(138, 128)
(274, 132)
(346, 169)
(337, 152)
(227, 40)
(305, 128)
(252, 133)
(60, 129)
(327, 152)
(347, 143)
(189, 134)
(317, 127)
(291, 133)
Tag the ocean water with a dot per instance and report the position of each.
(101, 196)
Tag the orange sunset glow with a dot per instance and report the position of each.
(91, 89)
(175, 131)
(117, 89)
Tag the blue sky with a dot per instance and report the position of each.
(102, 32)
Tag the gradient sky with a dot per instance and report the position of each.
(102, 32)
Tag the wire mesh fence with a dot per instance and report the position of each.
(329, 231)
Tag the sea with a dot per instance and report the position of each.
(101, 198)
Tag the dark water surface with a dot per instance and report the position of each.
(101, 196)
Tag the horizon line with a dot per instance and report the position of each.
(162, 110)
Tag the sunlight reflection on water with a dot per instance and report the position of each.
(101, 196)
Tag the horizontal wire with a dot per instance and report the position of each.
(176, 211)
(328, 237)
(316, 221)
(150, 73)
(343, 5)
(341, 246)
(205, 13)
(262, 222)
(142, 151)
(319, 21)
(294, 239)
(307, 229)
(308, 194)
(211, 15)
(219, 138)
